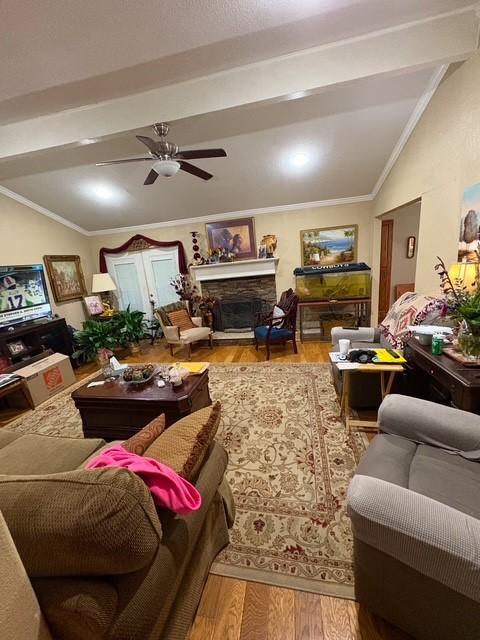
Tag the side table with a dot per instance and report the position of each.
(387, 375)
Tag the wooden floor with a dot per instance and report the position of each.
(237, 610)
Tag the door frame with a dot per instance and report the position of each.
(385, 269)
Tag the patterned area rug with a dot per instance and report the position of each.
(290, 462)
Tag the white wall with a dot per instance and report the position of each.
(441, 158)
(26, 236)
(285, 225)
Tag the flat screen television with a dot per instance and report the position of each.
(23, 294)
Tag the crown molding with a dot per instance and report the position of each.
(214, 217)
(45, 212)
(417, 113)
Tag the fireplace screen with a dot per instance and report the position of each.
(237, 314)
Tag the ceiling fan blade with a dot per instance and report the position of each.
(148, 142)
(201, 153)
(195, 171)
(152, 176)
(101, 164)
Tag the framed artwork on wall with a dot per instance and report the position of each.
(411, 242)
(66, 277)
(469, 238)
(329, 246)
(233, 236)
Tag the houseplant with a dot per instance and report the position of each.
(129, 328)
(463, 305)
(96, 341)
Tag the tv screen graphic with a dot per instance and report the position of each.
(23, 294)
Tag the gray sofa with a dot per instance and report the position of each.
(415, 509)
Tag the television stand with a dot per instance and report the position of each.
(35, 336)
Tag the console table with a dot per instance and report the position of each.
(441, 379)
(361, 310)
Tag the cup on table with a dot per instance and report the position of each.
(344, 346)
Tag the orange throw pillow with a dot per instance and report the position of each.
(146, 436)
(181, 319)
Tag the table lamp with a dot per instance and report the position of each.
(103, 284)
(464, 274)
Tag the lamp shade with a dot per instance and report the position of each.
(464, 274)
(102, 282)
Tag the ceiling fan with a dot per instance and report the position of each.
(167, 158)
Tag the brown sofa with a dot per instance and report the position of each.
(103, 561)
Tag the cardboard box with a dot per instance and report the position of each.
(47, 377)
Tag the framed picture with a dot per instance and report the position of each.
(16, 347)
(411, 241)
(66, 277)
(94, 305)
(233, 236)
(329, 246)
(469, 237)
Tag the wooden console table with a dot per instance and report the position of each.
(441, 379)
(361, 309)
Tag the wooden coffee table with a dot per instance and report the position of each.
(117, 410)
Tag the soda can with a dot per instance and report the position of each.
(437, 344)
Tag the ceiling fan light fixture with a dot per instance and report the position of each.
(166, 168)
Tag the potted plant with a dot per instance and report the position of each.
(130, 328)
(96, 341)
(463, 305)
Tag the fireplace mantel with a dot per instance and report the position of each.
(236, 269)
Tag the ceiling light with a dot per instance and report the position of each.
(299, 159)
(166, 168)
(88, 141)
(103, 193)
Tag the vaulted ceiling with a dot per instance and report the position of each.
(341, 82)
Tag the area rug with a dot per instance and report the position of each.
(290, 463)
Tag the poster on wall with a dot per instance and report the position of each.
(469, 240)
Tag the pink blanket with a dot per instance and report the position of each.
(167, 487)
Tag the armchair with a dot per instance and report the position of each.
(278, 326)
(175, 336)
(416, 520)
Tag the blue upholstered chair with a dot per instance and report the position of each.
(278, 326)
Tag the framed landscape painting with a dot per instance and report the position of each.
(329, 246)
(66, 277)
(469, 237)
(233, 236)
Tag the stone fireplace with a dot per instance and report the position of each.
(238, 300)
(241, 290)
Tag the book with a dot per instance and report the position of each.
(194, 368)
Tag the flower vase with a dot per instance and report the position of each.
(469, 344)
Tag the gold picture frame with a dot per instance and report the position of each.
(66, 277)
(327, 246)
(235, 236)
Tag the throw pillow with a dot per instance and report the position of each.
(184, 445)
(181, 319)
(146, 436)
(278, 316)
